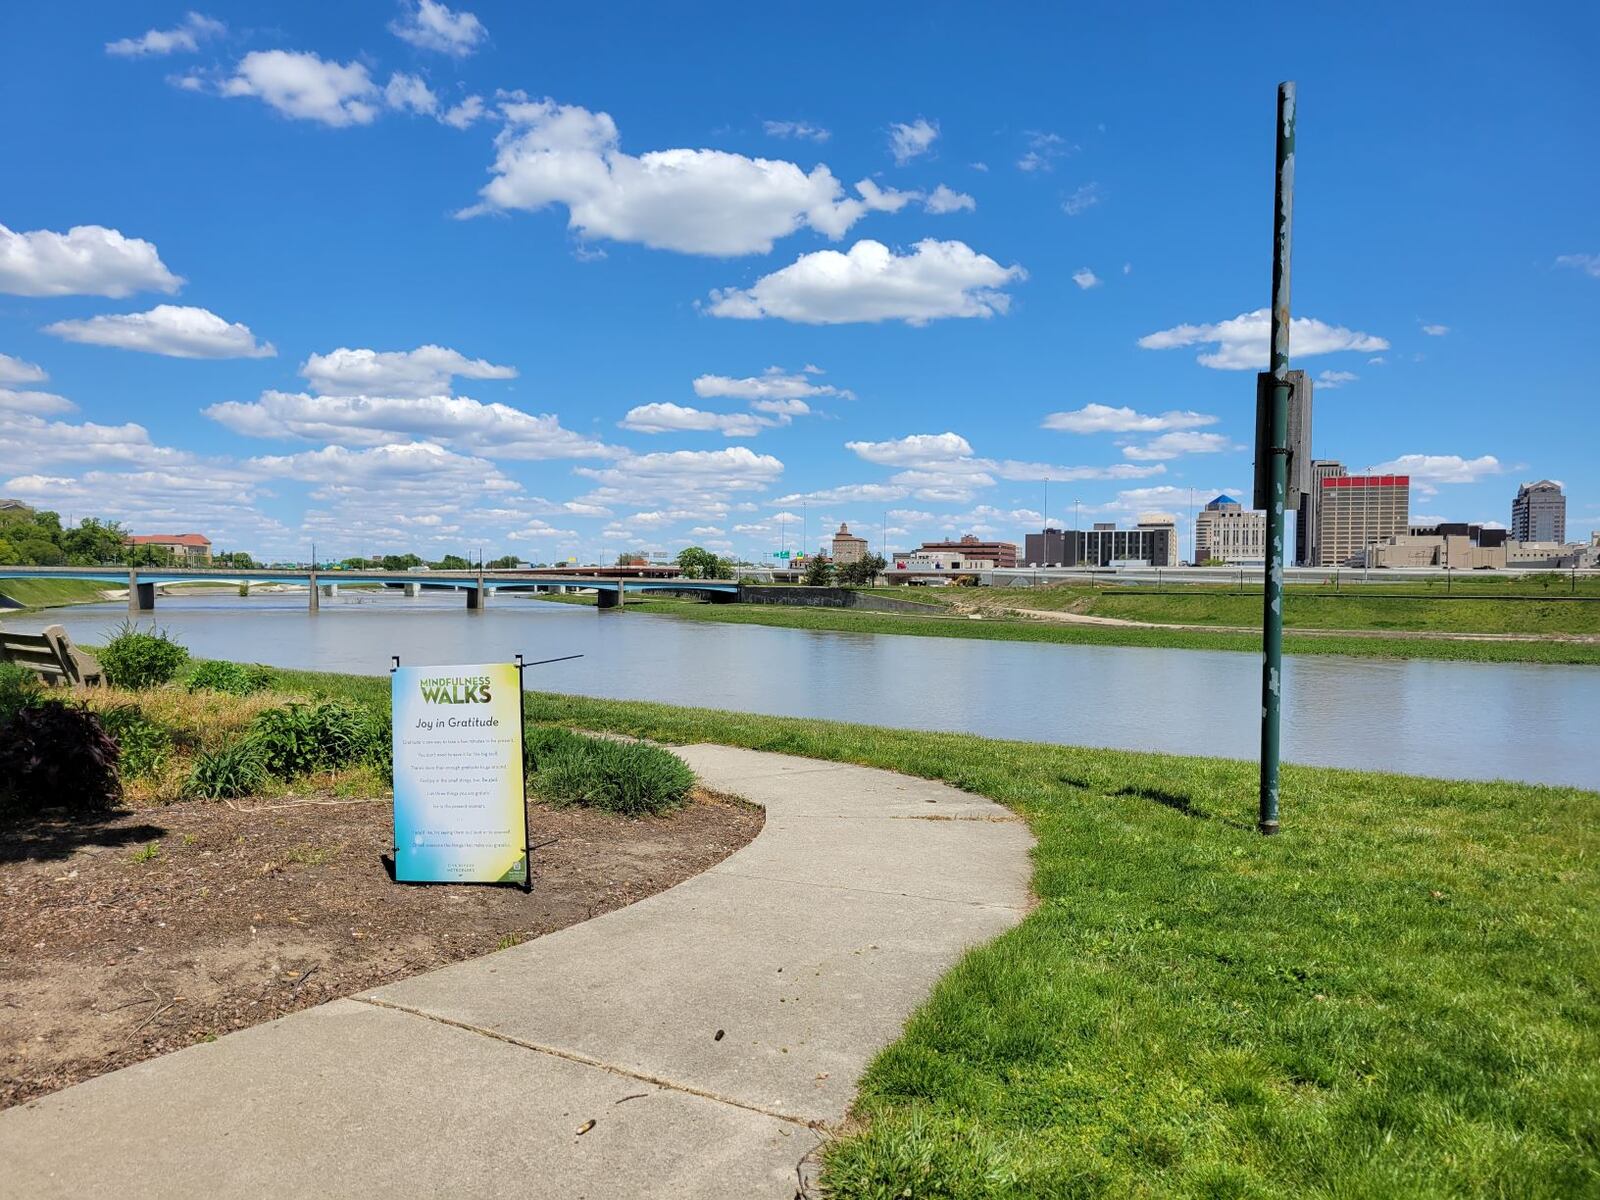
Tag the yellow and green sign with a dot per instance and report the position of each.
(459, 815)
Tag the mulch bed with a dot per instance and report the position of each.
(111, 953)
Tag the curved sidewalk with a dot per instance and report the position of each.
(709, 1033)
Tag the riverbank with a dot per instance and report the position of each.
(1005, 627)
(50, 593)
(1400, 993)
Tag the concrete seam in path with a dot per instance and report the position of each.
(582, 1060)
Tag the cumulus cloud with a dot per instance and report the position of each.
(186, 36)
(87, 260)
(302, 85)
(39, 403)
(947, 200)
(425, 371)
(1441, 468)
(1103, 418)
(677, 418)
(1043, 150)
(775, 384)
(909, 141)
(348, 468)
(177, 331)
(692, 201)
(1242, 342)
(493, 430)
(802, 130)
(1082, 200)
(853, 493)
(430, 25)
(917, 449)
(28, 438)
(409, 93)
(15, 370)
(1333, 379)
(1589, 264)
(695, 476)
(1172, 445)
(460, 116)
(872, 283)
(1085, 278)
(1436, 330)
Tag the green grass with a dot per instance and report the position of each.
(49, 593)
(1024, 629)
(1398, 996)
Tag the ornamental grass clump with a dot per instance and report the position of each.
(299, 738)
(136, 658)
(236, 679)
(627, 778)
(237, 768)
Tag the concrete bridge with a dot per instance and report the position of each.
(477, 586)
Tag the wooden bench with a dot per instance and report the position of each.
(50, 655)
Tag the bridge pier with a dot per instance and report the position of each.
(476, 599)
(313, 602)
(413, 590)
(330, 590)
(610, 598)
(141, 596)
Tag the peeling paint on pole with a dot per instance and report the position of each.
(1275, 422)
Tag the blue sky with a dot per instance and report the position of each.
(558, 280)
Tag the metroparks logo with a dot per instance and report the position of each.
(456, 689)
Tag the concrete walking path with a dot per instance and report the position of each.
(710, 1033)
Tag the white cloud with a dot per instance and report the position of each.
(1589, 264)
(917, 449)
(1436, 330)
(676, 418)
(1171, 445)
(947, 200)
(1027, 472)
(425, 371)
(1082, 200)
(15, 370)
(853, 493)
(782, 408)
(177, 331)
(907, 142)
(1333, 379)
(40, 403)
(774, 384)
(1243, 341)
(803, 130)
(25, 438)
(1085, 278)
(1102, 418)
(684, 476)
(417, 463)
(299, 84)
(1043, 150)
(1441, 468)
(693, 201)
(409, 92)
(432, 26)
(493, 430)
(87, 260)
(461, 115)
(872, 283)
(187, 36)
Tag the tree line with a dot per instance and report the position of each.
(30, 538)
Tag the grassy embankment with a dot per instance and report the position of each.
(48, 593)
(1399, 995)
(1033, 629)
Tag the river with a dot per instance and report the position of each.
(1529, 722)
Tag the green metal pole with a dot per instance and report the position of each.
(1278, 427)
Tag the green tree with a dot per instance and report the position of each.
(862, 572)
(452, 562)
(400, 562)
(818, 572)
(632, 558)
(696, 562)
(504, 563)
(238, 559)
(149, 556)
(94, 542)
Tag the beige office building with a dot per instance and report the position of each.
(1226, 531)
(847, 547)
(1355, 512)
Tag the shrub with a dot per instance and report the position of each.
(298, 738)
(627, 778)
(59, 755)
(237, 679)
(540, 743)
(379, 753)
(235, 769)
(138, 659)
(19, 688)
(143, 744)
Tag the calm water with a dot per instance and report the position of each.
(1456, 720)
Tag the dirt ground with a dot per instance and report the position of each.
(111, 952)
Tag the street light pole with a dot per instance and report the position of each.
(1277, 426)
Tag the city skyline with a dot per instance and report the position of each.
(404, 277)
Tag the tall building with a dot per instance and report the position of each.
(1305, 524)
(847, 547)
(1158, 523)
(1539, 513)
(1356, 512)
(1153, 542)
(1226, 531)
(1002, 554)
